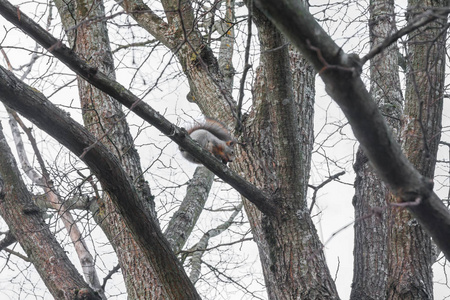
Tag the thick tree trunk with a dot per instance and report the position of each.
(410, 273)
(26, 223)
(371, 194)
(103, 116)
(277, 154)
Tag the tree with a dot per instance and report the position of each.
(275, 132)
(407, 256)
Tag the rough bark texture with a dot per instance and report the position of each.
(226, 29)
(340, 73)
(278, 139)
(103, 164)
(26, 223)
(370, 268)
(104, 118)
(410, 273)
(184, 219)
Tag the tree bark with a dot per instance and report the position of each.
(26, 223)
(410, 255)
(104, 118)
(278, 135)
(370, 268)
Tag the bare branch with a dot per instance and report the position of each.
(54, 200)
(185, 218)
(247, 66)
(202, 244)
(421, 20)
(41, 247)
(15, 253)
(8, 240)
(368, 125)
(109, 275)
(317, 188)
(107, 169)
(120, 93)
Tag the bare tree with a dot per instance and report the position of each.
(274, 128)
(402, 269)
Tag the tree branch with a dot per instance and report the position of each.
(150, 21)
(262, 201)
(317, 188)
(184, 219)
(345, 86)
(201, 246)
(9, 239)
(28, 227)
(421, 20)
(109, 275)
(108, 170)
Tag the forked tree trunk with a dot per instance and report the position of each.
(278, 141)
(275, 153)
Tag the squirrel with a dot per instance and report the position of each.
(213, 136)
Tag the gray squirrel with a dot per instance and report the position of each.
(213, 136)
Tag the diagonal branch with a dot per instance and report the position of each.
(150, 21)
(317, 188)
(34, 106)
(202, 245)
(8, 240)
(29, 228)
(421, 20)
(346, 88)
(264, 202)
(184, 219)
(54, 200)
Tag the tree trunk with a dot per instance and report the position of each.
(410, 273)
(103, 116)
(371, 194)
(26, 223)
(278, 136)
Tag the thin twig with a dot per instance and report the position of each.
(421, 20)
(247, 66)
(17, 254)
(317, 188)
